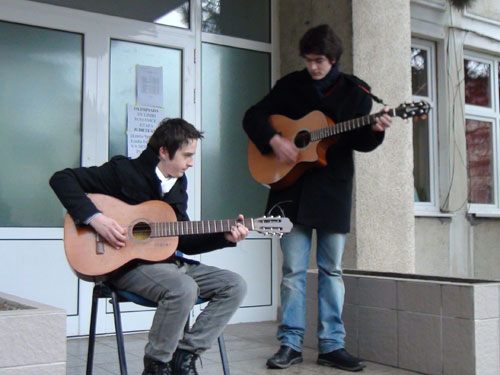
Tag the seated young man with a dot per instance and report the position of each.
(176, 283)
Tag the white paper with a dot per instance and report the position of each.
(141, 123)
(149, 85)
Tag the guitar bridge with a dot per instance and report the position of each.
(100, 244)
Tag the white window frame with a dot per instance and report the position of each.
(490, 114)
(431, 207)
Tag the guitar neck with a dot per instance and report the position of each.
(180, 228)
(345, 126)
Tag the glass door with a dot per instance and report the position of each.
(69, 78)
(161, 70)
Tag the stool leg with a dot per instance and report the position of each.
(223, 355)
(92, 329)
(119, 333)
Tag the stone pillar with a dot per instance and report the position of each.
(383, 195)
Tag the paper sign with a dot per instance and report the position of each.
(149, 85)
(141, 123)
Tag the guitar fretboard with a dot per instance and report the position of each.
(179, 228)
(346, 126)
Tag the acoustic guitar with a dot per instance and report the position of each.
(152, 235)
(312, 135)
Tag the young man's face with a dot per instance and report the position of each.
(318, 65)
(182, 160)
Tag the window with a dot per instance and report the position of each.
(40, 127)
(423, 73)
(164, 12)
(482, 120)
(247, 19)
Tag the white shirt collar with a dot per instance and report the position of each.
(166, 182)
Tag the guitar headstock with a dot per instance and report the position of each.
(272, 225)
(412, 109)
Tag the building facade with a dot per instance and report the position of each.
(427, 201)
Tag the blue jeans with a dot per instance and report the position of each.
(296, 247)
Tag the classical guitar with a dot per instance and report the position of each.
(152, 235)
(312, 135)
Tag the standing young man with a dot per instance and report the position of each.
(176, 283)
(321, 198)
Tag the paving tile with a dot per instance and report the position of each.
(419, 342)
(458, 301)
(247, 349)
(487, 347)
(420, 297)
(351, 289)
(486, 301)
(458, 342)
(351, 323)
(312, 284)
(375, 292)
(378, 335)
(41, 369)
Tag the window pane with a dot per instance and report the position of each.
(477, 83)
(122, 86)
(40, 126)
(247, 19)
(421, 171)
(419, 72)
(165, 12)
(232, 80)
(479, 161)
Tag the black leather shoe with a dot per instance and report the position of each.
(341, 359)
(284, 357)
(153, 367)
(184, 363)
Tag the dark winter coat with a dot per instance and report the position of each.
(133, 181)
(322, 197)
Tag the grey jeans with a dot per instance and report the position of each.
(176, 287)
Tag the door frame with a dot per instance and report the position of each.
(98, 30)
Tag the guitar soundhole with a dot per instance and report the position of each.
(141, 231)
(302, 139)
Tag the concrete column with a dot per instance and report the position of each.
(383, 196)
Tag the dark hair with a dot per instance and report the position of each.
(321, 40)
(173, 133)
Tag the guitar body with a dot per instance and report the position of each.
(92, 257)
(268, 170)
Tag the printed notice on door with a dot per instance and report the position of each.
(141, 123)
(149, 85)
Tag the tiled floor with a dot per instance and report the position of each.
(248, 346)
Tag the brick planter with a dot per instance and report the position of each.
(32, 338)
(432, 325)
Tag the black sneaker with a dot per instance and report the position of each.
(284, 357)
(341, 359)
(153, 367)
(184, 363)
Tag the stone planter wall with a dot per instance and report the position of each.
(431, 325)
(32, 338)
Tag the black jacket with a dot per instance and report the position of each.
(322, 197)
(133, 181)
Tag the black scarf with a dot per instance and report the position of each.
(324, 84)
